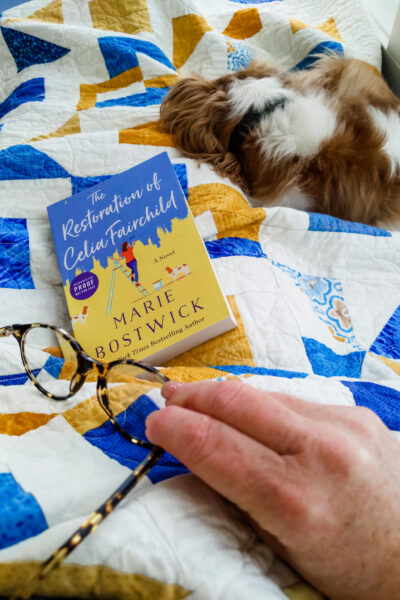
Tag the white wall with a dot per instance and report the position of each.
(386, 16)
(394, 42)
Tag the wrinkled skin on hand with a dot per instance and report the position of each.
(320, 483)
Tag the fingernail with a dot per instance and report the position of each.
(168, 390)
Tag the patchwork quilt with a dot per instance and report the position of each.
(317, 300)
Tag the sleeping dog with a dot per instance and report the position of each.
(325, 139)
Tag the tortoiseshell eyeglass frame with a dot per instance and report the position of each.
(85, 364)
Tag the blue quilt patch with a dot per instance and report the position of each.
(149, 97)
(384, 401)
(326, 362)
(320, 222)
(28, 91)
(112, 443)
(238, 58)
(119, 53)
(6, 4)
(82, 183)
(181, 173)
(388, 341)
(232, 246)
(28, 50)
(243, 369)
(322, 48)
(53, 366)
(20, 515)
(15, 262)
(328, 303)
(24, 162)
(17, 378)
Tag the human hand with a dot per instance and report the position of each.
(320, 483)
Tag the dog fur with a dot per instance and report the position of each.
(333, 147)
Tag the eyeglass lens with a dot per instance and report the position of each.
(131, 392)
(51, 359)
(131, 389)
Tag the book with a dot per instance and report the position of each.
(138, 281)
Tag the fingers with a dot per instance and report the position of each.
(235, 465)
(259, 415)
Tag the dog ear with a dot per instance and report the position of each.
(196, 113)
(192, 112)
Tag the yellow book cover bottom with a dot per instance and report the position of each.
(151, 302)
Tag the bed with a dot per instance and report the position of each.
(316, 299)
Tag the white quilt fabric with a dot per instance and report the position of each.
(317, 299)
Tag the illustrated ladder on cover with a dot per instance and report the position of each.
(118, 266)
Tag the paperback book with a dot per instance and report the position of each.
(137, 278)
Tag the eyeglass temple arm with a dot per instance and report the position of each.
(89, 525)
(5, 331)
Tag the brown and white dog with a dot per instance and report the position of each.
(324, 140)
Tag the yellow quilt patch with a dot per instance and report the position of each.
(148, 134)
(230, 348)
(20, 423)
(187, 32)
(244, 24)
(232, 214)
(127, 16)
(96, 581)
(73, 125)
(392, 364)
(302, 591)
(52, 13)
(89, 91)
(329, 27)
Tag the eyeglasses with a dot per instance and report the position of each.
(57, 365)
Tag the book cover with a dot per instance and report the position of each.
(137, 278)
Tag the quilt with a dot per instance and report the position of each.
(317, 300)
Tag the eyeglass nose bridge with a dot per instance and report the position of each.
(103, 400)
(85, 365)
(77, 381)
